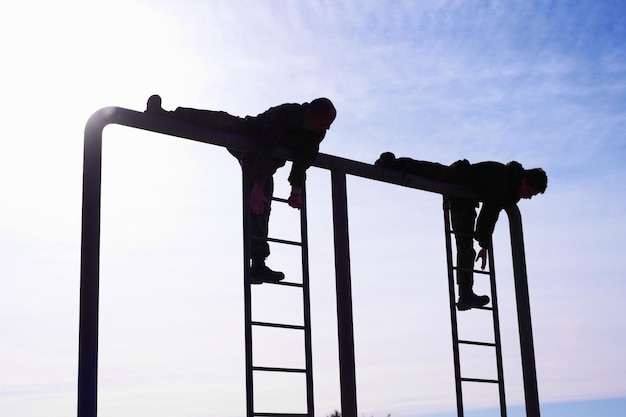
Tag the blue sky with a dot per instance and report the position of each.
(543, 83)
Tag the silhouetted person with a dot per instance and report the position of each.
(496, 185)
(299, 127)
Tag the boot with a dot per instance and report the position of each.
(471, 300)
(153, 106)
(386, 160)
(467, 298)
(260, 273)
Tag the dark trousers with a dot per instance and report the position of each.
(216, 119)
(259, 225)
(463, 214)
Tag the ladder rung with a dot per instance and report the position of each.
(452, 232)
(482, 308)
(490, 381)
(287, 284)
(281, 200)
(271, 239)
(280, 414)
(470, 342)
(273, 369)
(281, 326)
(477, 271)
(286, 242)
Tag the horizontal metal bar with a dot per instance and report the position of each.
(479, 308)
(271, 239)
(284, 283)
(273, 369)
(278, 325)
(462, 234)
(280, 200)
(286, 242)
(171, 126)
(470, 342)
(280, 414)
(489, 381)
(476, 271)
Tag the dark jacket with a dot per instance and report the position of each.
(282, 126)
(497, 186)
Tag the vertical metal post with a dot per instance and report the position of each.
(246, 187)
(89, 272)
(523, 312)
(345, 330)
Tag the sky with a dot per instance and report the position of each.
(540, 82)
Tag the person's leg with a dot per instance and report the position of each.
(259, 247)
(207, 118)
(210, 118)
(259, 226)
(426, 169)
(463, 218)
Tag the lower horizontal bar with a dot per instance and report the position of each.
(271, 369)
(490, 381)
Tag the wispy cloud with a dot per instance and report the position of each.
(539, 82)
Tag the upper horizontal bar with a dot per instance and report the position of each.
(171, 126)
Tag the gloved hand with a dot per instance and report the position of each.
(482, 254)
(295, 199)
(257, 199)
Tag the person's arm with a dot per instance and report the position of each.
(303, 158)
(485, 224)
(304, 153)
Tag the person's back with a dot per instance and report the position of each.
(496, 183)
(288, 115)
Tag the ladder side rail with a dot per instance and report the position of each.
(496, 330)
(306, 300)
(453, 312)
(520, 278)
(245, 191)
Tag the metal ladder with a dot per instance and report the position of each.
(252, 368)
(456, 342)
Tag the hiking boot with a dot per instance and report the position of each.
(260, 273)
(472, 301)
(462, 171)
(386, 160)
(153, 105)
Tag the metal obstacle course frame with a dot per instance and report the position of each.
(339, 168)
